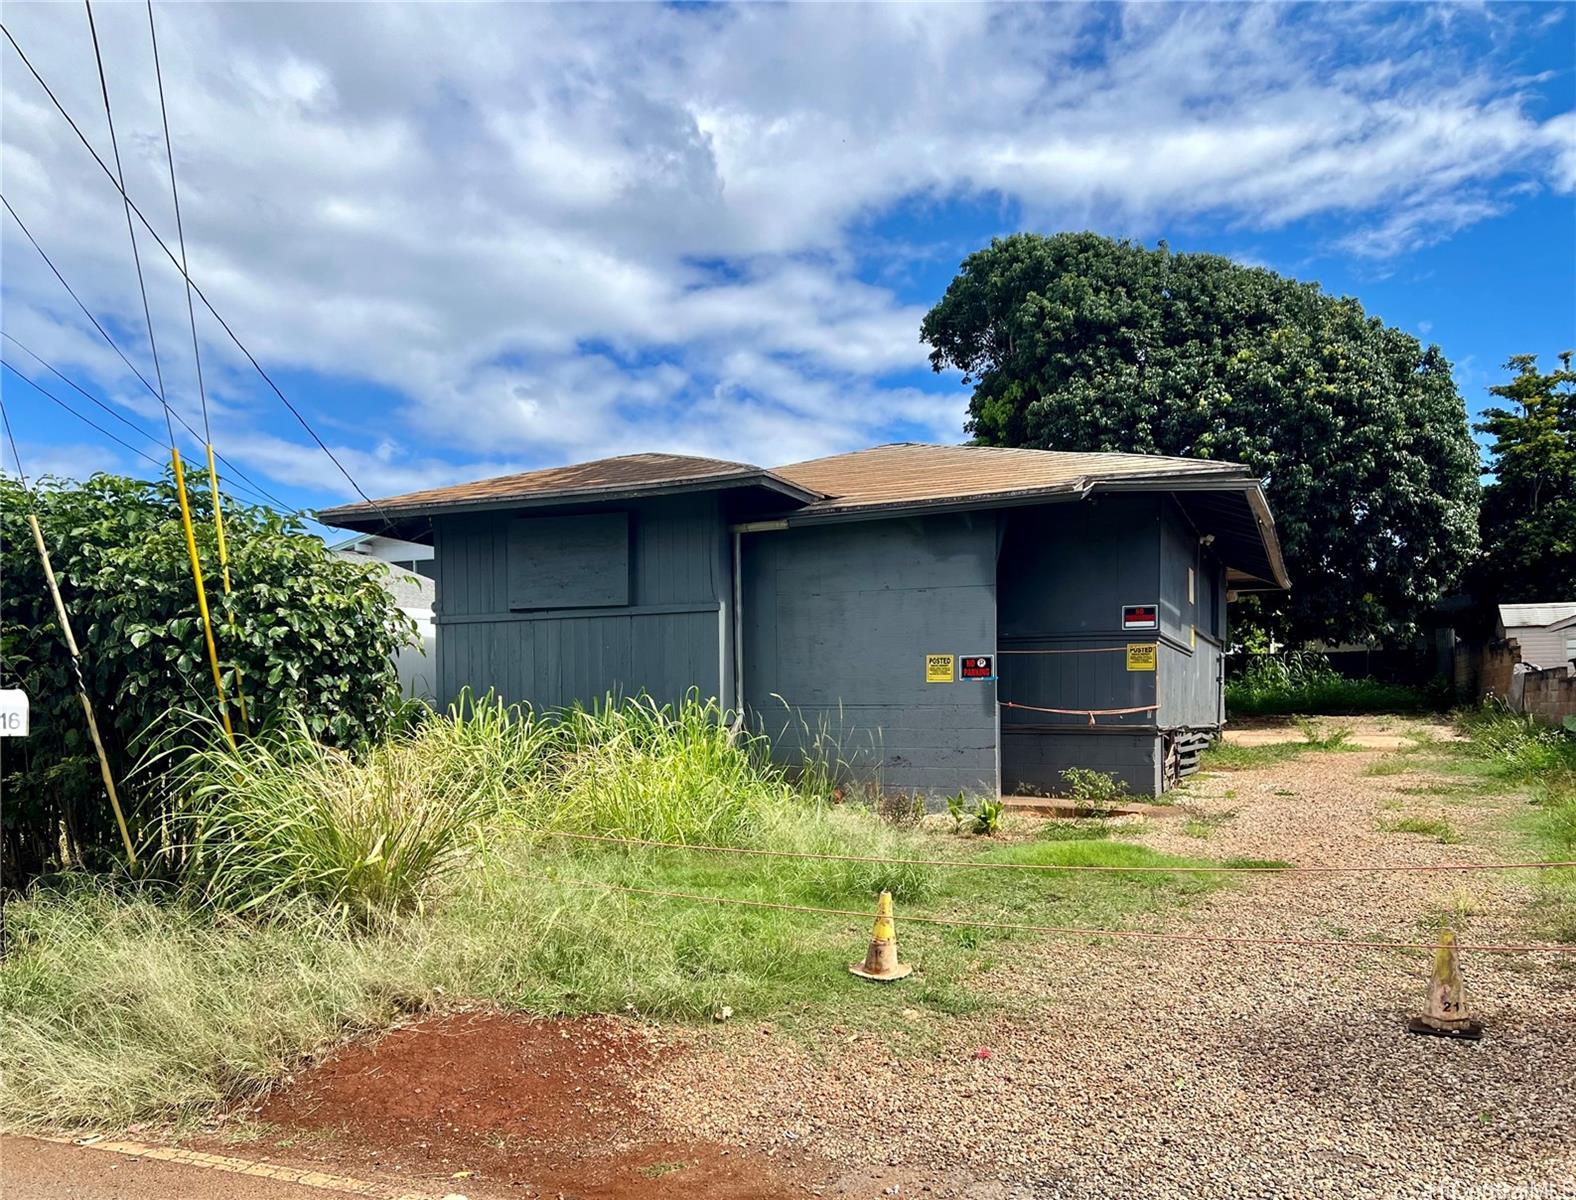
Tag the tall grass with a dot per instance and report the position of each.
(1520, 751)
(283, 818)
(643, 770)
(1291, 683)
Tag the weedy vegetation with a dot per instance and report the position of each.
(1094, 793)
(1303, 682)
(1438, 828)
(306, 894)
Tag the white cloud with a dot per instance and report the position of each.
(559, 231)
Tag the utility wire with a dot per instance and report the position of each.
(15, 453)
(230, 467)
(112, 411)
(196, 287)
(131, 229)
(180, 229)
(120, 441)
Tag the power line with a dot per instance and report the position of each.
(180, 229)
(15, 453)
(38, 387)
(112, 411)
(234, 470)
(196, 287)
(131, 230)
(50, 263)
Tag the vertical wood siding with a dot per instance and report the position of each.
(678, 562)
(838, 620)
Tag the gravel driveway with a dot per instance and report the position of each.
(1164, 1069)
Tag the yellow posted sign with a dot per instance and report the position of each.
(1141, 656)
(940, 668)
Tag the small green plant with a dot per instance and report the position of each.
(988, 815)
(1435, 827)
(1316, 735)
(1094, 792)
(982, 816)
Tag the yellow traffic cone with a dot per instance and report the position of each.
(881, 959)
(1445, 1008)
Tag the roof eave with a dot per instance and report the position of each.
(375, 516)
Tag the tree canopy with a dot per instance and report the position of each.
(312, 634)
(1079, 342)
(1529, 510)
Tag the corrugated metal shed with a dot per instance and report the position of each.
(1513, 616)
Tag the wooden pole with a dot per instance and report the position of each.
(202, 594)
(224, 572)
(82, 687)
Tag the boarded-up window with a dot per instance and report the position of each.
(569, 562)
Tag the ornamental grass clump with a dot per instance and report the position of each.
(284, 818)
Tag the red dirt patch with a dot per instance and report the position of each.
(498, 1104)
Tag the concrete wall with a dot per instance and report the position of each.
(1485, 669)
(838, 620)
(673, 634)
(1549, 695)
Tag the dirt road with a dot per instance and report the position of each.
(1168, 1070)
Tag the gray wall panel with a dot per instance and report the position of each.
(1033, 760)
(679, 565)
(838, 620)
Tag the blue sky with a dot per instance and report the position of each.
(470, 240)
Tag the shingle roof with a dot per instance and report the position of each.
(629, 474)
(1525, 615)
(906, 474)
(885, 479)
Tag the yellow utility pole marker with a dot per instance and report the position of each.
(224, 573)
(202, 594)
(81, 684)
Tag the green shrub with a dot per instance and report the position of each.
(313, 634)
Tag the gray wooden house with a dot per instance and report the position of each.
(964, 618)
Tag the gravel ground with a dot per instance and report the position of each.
(1164, 1069)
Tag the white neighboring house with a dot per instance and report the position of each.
(1546, 632)
(407, 565)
